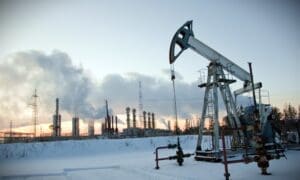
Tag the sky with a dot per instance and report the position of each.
(86, 51)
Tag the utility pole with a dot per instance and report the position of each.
(34, 111)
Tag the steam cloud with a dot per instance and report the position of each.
(55, 75)
(164, 122)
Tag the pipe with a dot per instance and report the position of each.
(169, 146)
(226, 174)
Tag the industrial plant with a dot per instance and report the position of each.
(108, 129)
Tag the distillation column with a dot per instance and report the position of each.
(56, 121)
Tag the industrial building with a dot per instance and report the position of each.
(143, 131)
(146, 127)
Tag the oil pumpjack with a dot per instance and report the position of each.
(216, 79)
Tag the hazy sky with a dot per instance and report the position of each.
(120, 36)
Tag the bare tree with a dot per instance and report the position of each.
(298, 123)
(289, 112)
(275, 117)
(276, 113)
(298, 112)
(291, 118)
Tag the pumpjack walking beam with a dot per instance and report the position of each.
(184, 39)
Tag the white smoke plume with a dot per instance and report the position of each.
(54, 75)
(164, 122)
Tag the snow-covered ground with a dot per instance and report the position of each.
(125, 159)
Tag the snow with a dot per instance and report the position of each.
(124, 159)
(89, 147)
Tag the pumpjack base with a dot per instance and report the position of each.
(209, 156)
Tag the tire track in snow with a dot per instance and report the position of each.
(62, 174)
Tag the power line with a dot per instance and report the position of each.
(178, 100)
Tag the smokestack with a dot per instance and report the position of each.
(153, 121)
(91, 130)
(103, 127)
(107, 116)
(169, 125)
(117, 131)
(112, 124)
(186, 124)
(134, 118)
(75, 126)
(56, 121)
(149, 120)
(128, 117)
(145, 119)
(57, 107)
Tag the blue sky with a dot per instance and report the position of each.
(121, 36)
